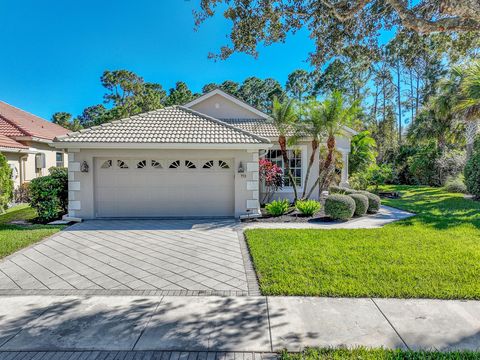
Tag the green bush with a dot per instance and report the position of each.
(472, 170)
(340, 190)
(6, 184)
(374, 202)
(456, 185)
(49, 195)
(339, 207)
(277, 207)
(361, 204)
(308, 207)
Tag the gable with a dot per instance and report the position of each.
(222, 107)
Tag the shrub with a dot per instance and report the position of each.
(361, 204)
(374, 202)
(422, 165)
(270, 175)
(6, 184)
(308, 207)
(277, 207)
(22, 194)
(339, 207)
(472, 170)
(456, 185)
(49, 194)
(340, 190)
(449, 166)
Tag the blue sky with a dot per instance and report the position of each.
(53, 52)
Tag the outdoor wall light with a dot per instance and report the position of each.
(84, 167)
(241, 170)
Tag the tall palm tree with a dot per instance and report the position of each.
(469, 103)
(312, 125)
(335, 114)
(284, 117)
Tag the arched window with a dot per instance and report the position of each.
(156, 165)
(122, 164)
(223, 164)
(175, 164)
(208, 164)
(107, 164)
(190, 164)
(141, 164)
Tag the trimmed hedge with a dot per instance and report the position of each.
(339, 207)
(6, 184)
(49, 194)
(361, 204)
(374, 202)
(341, 190)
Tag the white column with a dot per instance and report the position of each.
(344, 179)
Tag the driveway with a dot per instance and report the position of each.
(173, 257)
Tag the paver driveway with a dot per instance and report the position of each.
(123, 255)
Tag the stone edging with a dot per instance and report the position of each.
(252, 280)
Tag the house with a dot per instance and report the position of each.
(196, 160)
(25, 140)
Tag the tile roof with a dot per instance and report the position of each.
(261, 127)
(6, 142)
(175, 124)
(16, 122)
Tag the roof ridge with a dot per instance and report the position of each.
(211, 118)
(27, 133)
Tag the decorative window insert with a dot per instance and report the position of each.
(223, 164)
(107, 164)
(156, 165)
(295, 157)
(208, 164)
(122, 164)
(189, 164)
(142, 164)
(175, 164)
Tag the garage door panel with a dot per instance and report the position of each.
(155, 192)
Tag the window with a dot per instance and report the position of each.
(122, 164)
(141, 164)
(106, 164)
(295, 157)
(175, 164)
(190, 164)
(223, 164)
(59, 159)
(156, 165)
(208, 164)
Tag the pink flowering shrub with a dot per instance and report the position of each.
(271, 176)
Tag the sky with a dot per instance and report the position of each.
(52, 53)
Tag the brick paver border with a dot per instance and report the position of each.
(252, 279)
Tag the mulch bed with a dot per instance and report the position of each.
(293, 216)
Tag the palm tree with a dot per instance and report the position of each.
(311, 126)
(335, 114)
(284, 117)
(469, 103)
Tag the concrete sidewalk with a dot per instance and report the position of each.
(242, 324)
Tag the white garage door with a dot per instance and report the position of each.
(148, 187)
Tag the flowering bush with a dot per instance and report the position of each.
(271, 177)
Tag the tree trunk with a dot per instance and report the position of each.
(399, 104)
(310, 164)
(282, 141)
(322, 180)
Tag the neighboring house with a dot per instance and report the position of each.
(25, 140)
(196, 160)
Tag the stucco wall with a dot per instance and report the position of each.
(13, 159)
(221, 108)
(81, 185)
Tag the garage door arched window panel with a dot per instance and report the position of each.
(208, 165)
(142, 164)
(223, 164)
(156, 164)
(107, 164)
(122, 164)
(175, 164)
(190, 165)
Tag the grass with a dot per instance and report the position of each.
(435, 254)
(377, 354)
(16, 237)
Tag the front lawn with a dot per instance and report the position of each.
(435, 254)
(15, 237)
(377, 354)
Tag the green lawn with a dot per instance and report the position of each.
(435, 254)
(15, 237)
(377, 354)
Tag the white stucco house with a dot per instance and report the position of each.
(25, 140)
(196, 160)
